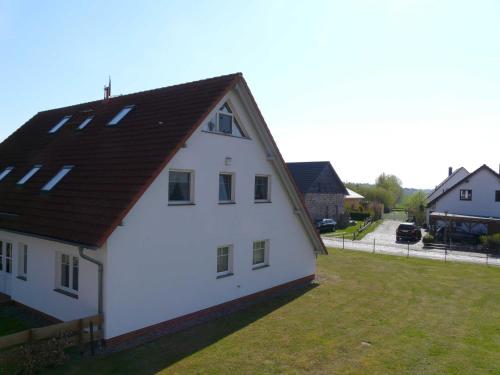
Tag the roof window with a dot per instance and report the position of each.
(60, 124)
(5, 172)
(58, 177)
(28, 175)
(120, 115)
(85, 122)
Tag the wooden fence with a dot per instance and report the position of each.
(77, 332)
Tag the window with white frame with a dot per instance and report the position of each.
(226, 187)
(67, 273)
(180, 187)
(224, 260)
(260, 253)
(22, 263)
(225, 122)
(262, 189)
(5, 257)
(465, 194)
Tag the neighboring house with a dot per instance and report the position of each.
(321, 187)
(152, 208)
(470, 204)
(352, 200)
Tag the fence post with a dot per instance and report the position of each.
(487, 256)
(91, 327)
(80, 335)
(343, 240)
(445, 253)
(373, 245)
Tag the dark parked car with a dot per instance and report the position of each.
(408, 232)
(326, 225)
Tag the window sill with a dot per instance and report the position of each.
(225, 275)
(22, 278)
(66, 293)
(224, 134)
(227, 202)
(258, 267)
(262, 201)
(181, 204)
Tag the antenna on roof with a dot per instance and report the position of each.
(107, 89)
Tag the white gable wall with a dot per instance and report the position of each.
(483, 185)
(162, 262)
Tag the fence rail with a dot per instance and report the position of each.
(413, 250)
(78, 332)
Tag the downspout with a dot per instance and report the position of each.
(100, 269)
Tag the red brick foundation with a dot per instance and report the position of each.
(151, 332)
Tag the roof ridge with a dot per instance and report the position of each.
(232, 75)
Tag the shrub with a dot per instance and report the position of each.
(492, 241)
(360, 215)
(428, 238)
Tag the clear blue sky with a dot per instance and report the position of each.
(407, 87)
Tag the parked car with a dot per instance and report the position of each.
(408, 232)
(326, 225)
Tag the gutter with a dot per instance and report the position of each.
(100, 269)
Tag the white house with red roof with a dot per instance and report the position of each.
(153, 209)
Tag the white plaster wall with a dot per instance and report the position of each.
(38, 290)
(483, 186)
(162, 263)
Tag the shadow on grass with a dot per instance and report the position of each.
(163, 352)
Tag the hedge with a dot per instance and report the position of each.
(360, 215)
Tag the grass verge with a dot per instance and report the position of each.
(368, 314)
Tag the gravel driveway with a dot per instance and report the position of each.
(386, 234)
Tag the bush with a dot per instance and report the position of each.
(360, 215)
(492, 241)
(428, 238)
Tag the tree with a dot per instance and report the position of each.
(415, 205)
(391, 184)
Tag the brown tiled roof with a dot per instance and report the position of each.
(113, 166)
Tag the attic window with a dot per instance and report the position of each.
(28, 175)
(121, 115)
(58, 177)
(60, 124)
(85, 122)
(225, 122)
(5, 172)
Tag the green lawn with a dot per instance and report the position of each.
(368, 314)
(347, 232)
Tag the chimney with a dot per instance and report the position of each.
(450, 171)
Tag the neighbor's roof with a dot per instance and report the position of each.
(447, 179)
(307, 176)
(470, 175)
(113, 166)
(353, 195)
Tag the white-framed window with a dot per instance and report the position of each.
(180, 186)
(226, 187)
(120, 115)
(5, 256)
(260, 256)
(28, 175)
(224, 121)
(224, 260)
(85, 122)
(262, 188)
(60, 124)
(67, 273)
(5, 172)
(465, 194)
(58, 177)
(22, 263)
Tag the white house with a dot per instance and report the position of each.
(470, 204)
(151, 208)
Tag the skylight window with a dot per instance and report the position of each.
(85, 122)
(28, 175)
(60, 124)
(5, 172)
(58, 177)
(115, 120)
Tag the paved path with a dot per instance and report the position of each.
(383, 240)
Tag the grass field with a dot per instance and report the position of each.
(348, 232)
(368, 314)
